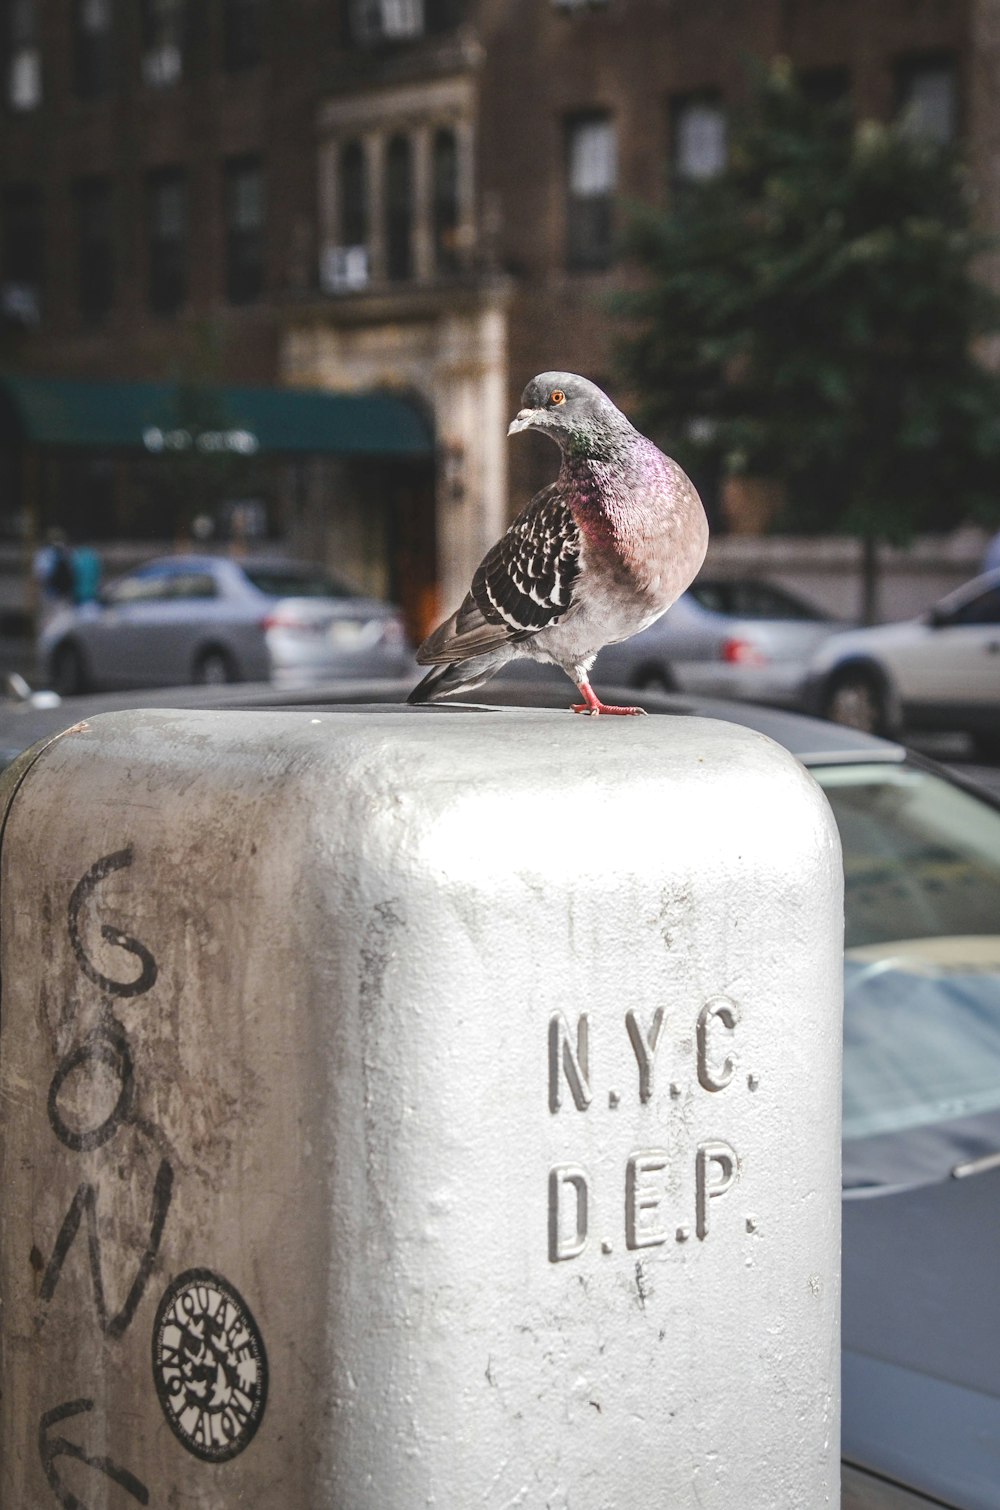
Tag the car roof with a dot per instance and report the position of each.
(810, 740)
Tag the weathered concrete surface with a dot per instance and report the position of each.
(318, 1190)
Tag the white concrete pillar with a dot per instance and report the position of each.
(406, 1107)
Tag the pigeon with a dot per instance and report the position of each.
(594, 558)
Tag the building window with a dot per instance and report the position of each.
(244, 39)
(375, 21)
(163, 39)
(22, 254)
(95, 249)
(24, 56)
(927, 98)
(344, 265)
(698, 139)
(445, 208)
(353, 196)
(167, 210)
(244, 230)
(591, 177)
(399, 208)
(92, 47)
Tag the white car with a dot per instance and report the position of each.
(940, 671)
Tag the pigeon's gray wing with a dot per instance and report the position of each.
(523, 585)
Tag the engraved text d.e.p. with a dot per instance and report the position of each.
(716, 1165)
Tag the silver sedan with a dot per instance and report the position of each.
(207, 619)
(743, 639)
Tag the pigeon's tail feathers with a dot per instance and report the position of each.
(466, 635)
(460, 676)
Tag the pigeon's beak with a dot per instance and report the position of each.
(523, 420)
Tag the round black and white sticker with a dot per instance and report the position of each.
(209, 1365)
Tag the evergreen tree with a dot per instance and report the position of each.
(812, 316)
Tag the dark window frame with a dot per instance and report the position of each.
(354, 227)
(22, 250)
(167, 253)
(680, 176)
(244, 241)
(399, 208)
(94, 204)
(165, 24)
(445, 207)
(93, 53)
(21, 40)
(243, 25)
(590, 217)
(906, 69)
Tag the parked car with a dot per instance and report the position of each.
(742, 639)
(921, 1133)
(939, 671)
(207, 619)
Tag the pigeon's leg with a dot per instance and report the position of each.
(592, 704)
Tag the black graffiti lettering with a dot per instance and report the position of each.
(107, 1045)
(84, 1206)
(51, 1448)
(146, 978)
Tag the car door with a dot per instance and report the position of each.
(960, 655)
(120, 640)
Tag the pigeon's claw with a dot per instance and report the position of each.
(592, 704)
(605, 708)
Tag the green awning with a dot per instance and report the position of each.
(169, 417)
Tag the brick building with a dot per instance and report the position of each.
(415, 194)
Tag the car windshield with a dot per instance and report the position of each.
(296, 582)
(921, 973)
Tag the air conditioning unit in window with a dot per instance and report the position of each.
(343, 269)
(375, 21)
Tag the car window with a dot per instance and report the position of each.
(922, 967)
(711, 595)
(193, 584)
(140, 587)
(281, 582)
(754, 600)
(984, 609)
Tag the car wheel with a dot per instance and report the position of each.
(214, 668)
(856, 699)
(655, 679)
(67, 671)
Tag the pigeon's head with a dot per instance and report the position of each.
(570, 409)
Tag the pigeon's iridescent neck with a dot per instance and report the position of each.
(593, 490)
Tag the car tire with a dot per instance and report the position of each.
(67, 669)
(987, 746)
(654, 679)
(214, 667)
(855, 697)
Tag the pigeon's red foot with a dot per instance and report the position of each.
(593, 705)
(605, 708)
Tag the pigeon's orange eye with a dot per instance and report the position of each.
(557, 396)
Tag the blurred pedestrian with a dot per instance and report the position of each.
(54, 574)
(86, 574)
